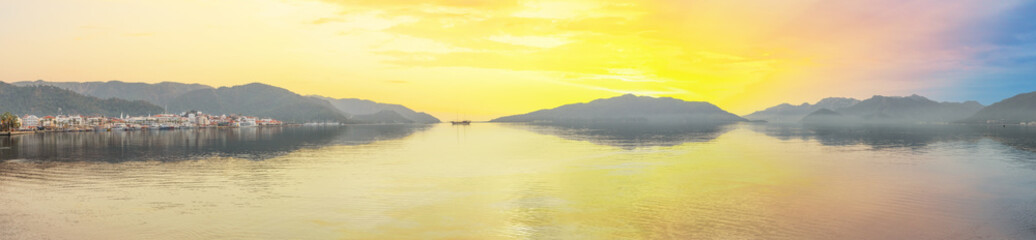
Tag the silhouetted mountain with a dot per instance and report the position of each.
(910, 109)
(259, 100)
(824, 116)
(47, 100)
(794, 113)
(157, 93)
(353, 106)
(1020, 108)
(630, 108)
(384, 116)
(164, 94)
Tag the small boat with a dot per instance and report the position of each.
(246, 123)
(465, 122)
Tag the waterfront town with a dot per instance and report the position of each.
(186, 120)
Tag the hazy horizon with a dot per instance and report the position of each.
(459, 116)
(519, 181)
(490, 59)
(594, 119)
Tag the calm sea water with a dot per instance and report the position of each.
(510, 181)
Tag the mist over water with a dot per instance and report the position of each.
(523, 181)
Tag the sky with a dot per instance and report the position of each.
(484, 59)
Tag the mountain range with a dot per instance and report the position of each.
(912, 108)
(1017, 109)
(158, 93)
(50, 100)
(794, 113)
(361, 107)
(254, 99)
(115, 97)
(258, 100)
(883, 109)
(630, 108)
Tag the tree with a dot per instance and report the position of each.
(9, 122)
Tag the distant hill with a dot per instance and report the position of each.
(357, 107)
(877, 109)
(1020, 108)
(794, 113)
(259, 100)
(157, 93)
(824, 116)
(630, 108)
(180, 97)
(909, 109)
(47, 100)
(384, 116)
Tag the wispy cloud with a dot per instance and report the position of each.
(743, 55)
(717, 48)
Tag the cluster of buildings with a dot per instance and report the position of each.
(1032, 123)
(192, 119)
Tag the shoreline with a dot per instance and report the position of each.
(94, 130)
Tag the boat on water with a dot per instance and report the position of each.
(247, 122)
(465, 122)
(118, 127)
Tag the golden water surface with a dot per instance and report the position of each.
(506, 181)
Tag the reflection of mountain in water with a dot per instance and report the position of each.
(1018, 137)
(876, 136)
(631, 135)
(174, 145)
(366, 134)
(903, 136)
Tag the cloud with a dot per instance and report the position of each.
(743, 55)
(531, 41)
(326, 20)
(719, 45)
(141, 34)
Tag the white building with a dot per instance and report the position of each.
(201, 121)
(75, 120)
(30, 121)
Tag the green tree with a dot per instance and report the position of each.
(9, 122)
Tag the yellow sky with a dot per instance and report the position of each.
(483, 59)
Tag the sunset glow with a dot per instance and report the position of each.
(484, 59)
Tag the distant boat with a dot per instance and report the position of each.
(465, 122)
(132, 127)
(247, 123)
